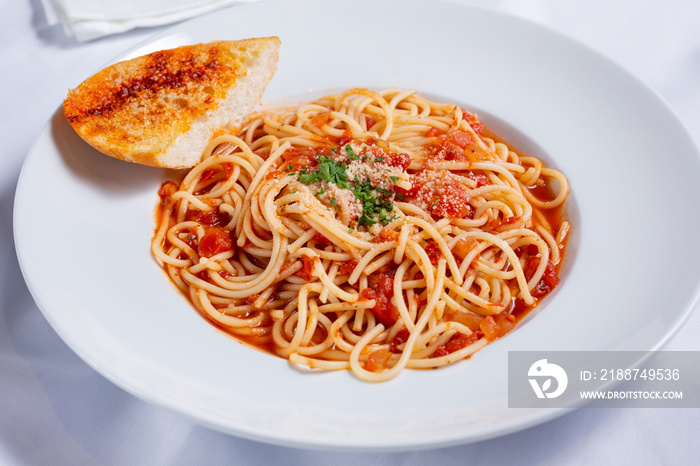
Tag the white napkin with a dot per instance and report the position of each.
(90, 19)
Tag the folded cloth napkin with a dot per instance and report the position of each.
(90, 19)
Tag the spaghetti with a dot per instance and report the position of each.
(369, 231)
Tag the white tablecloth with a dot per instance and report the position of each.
(56, 410)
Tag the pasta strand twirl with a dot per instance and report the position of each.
(365, 231)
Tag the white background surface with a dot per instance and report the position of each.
(54, 409)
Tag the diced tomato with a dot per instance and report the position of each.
(476, 125)
(481, 180)
(381, 289)
(494, 328)
(321, 119)
(274, 174)
(454, 203)
(451, 146)
(398, 159)
(467, 319)
(478, 128)
(214, 218)
(447, 197)
(387, 234)
(549, 278)
(433, 132)
(433, 251)
(458, 138)
(306, 268)
(345, 138)
(321, 240)
(297, 158)
(383, 310)
(369, 122)
(401, 337)
(167, 189)
(488, 326)
(469, 117)
(294, 152)
(382, 282)
(464, 246)
(378, 360)
(346, 268)
(456, 343)
(215, 241)
(417, 184)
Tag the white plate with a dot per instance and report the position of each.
(83, 223)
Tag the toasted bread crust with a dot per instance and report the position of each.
(134, 110)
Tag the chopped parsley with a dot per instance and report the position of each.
(327, 170)
(377, 205)
(375, 200)
(351, 153)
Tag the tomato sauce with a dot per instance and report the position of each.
(381, 290)
(215, 241)
(451, 203)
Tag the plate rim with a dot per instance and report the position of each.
(549, 414)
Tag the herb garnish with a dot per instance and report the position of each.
(327, 170)
(351, 153)
(376, 200)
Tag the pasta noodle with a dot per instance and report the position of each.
(365, 231)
